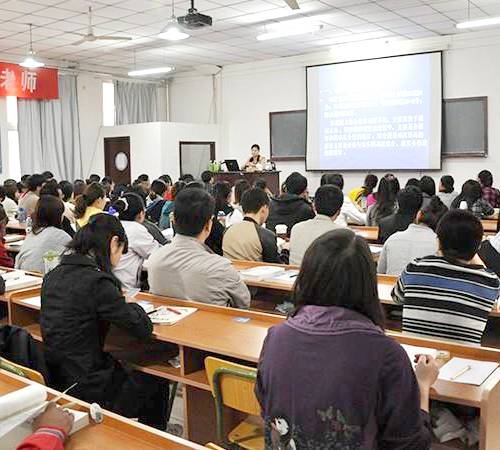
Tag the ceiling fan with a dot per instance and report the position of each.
(293, 4)
(91, 37)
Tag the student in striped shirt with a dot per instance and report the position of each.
(449, 296)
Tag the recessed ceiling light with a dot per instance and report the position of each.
(152, 71)
(289, 30)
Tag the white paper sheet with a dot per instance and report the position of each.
(262, 272)
(476, 374)
(412, 351)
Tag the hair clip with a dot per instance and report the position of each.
(124, 200)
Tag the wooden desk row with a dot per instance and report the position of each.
(115, 432)
(238, 335)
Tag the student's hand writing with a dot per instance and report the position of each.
(56, 417)
(426, 371)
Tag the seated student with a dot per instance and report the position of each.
(489, 252)
(446, 190)
(187, 178)
(372, 198)
(5, 259)
(449, 296)
(168, 207)
(81, 298)
(248, 240)
(144, 182)
(386, 202)
(208, 180)
(167, 179)
(153, 211)
(46, 235)
(93, 178)
(29, 201)
(67, 197)
(91, 202)
(262, 184)
(417, 241)
(409, 203)
(328, 202)
(52, 188)
(9, 205)
(223, 210)
(240, 187)
(329, 378)
(349, 214)
(292, 206)
(490, 194)
(78, 189)
(131, 212)
(413, 182)
(428, 188)
(186, 268)
(359, 195)
(471, 196)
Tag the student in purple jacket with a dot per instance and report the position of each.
(329, 377)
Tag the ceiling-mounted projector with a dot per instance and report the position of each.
(194, 20)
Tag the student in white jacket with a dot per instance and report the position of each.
(349, 214)
(132, 212)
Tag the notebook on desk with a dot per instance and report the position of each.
(18, 279)
(262, 272)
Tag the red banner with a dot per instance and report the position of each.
(38, 84)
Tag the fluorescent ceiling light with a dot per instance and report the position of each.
(30, 62)
(289, 30)
(152, 71)
(479, 23)
(172, 32)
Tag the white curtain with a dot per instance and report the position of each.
(49, 133)
(136, 102)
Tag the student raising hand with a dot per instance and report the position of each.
(50, 429)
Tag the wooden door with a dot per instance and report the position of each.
(117, 159)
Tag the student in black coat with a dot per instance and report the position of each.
(291, 207)
(489, 252)
(409, 203)
(80, 300)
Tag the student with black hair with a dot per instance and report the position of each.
(91, 202)
(417, 241)
(377, 399)
(471, 199)
(78, 188)
(187, 178)
(131, 212)
(239, 188)
(490, 194)
(223, 210)
(291, 207)
(52, 188)
(29, 200)
(262, 184)
(248, 240)
(359, 195)
(47, 176)
(386, 202)
(446, 190)
(47, 235)
(449, 296)
(186, 268)
(413, 182)
(409, 204)
(143, 181)
(156, 197)
(93, 178)
(9, 205)
(207, 178)
(168, 207)
(428, 188)
(5, 259)
(81, 298)
(350, 213)
(328, 202)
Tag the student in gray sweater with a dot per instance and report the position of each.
(417, 241)
(45, 236)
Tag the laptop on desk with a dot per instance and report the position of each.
(232, 165)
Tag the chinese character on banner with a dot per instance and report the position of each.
(28, 81)
(7, 79)
(37, 84)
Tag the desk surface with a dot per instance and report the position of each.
(369, 233)
(16, 225)
(116, 432)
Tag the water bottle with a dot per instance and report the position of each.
(21, 215)
(29, 225)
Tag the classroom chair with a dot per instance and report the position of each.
(22, 371)
(233, 386)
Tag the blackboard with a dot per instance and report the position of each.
(288, 133)
(465, 127)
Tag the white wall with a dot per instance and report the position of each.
(248, 92)
(3, 138)
(154, 147)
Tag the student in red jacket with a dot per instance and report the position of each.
(51, 428)
(5, 259)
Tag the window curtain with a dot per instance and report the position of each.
(49, 133)
(136, 102)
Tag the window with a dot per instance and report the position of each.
(108, 104)
(13, 157)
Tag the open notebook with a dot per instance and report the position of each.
(18, 279)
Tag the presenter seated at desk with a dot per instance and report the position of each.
(131, 212)
(329, 377)
(91, 202)
(256, 162)
(350, 213)
(187, 268)
(248, 240)
(327, 203)
(80, 299)
(292, 206)
(46, 235)
(417, 241)
(409, 204)
(449, 296)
